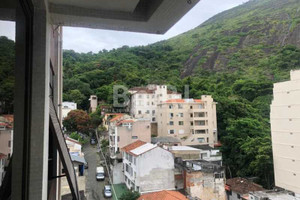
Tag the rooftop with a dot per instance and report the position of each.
(183, 101)
(143, 149)
(132, 146)
(77, 159)
(273, 195)
(183, 148)
(163, 195)
(242, 185)
(164, 139)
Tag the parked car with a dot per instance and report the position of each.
(107, 191)
(93, 141)
(100, 176)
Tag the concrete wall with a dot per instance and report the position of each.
(187, 132)
(233, 196)
(117, 173)
(205, 186)
(140, 129)
(155, 171)
(285, 128)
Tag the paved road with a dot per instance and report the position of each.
(94, 188)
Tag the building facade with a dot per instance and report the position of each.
(67, 107)
(144, 100)
(93, 103)
(285, 128)
(193, 121)
(148, 168)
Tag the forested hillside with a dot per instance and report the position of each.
(236, 56)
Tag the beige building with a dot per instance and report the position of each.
(193, 121)
(67, 107)
(93, 103)
(144, 100)
(127, 131)
(285, 127)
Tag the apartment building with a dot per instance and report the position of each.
(285, 128)
(148, 168)
(128, 131)
(144, 100)
(67, 107)
(193, 121)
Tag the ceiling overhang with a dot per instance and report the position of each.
(149, 16)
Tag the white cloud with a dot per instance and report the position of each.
(85, 40)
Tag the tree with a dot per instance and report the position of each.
(77, 120)
(96, 118)
(130, 195)
(74, 96)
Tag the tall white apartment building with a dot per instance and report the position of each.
(144, 100)
(285, 128)
(193, 121)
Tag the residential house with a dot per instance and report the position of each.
(147, 167)
(6, 135)
(193, 121)
(122, 132)
(239, 188)
(285, 129)
(209, 154)
(198, 178)
(144, 100)
(67, 107)
(163, 195)
(107, 117)
(38, 83)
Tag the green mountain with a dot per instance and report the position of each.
(236, 56)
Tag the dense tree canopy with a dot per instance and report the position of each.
(77, 120)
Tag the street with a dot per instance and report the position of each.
(94, 188)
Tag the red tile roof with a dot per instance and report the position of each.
(7, 121)
(132, 146)
(117, 117)
(242, 185)
(163, 195)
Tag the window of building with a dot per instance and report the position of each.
(171, 131)
(130, 158)
(171, 115)
(140, 112)
(140, 96)
(200, 131)
(191, 114)
(180, 114)
(171, 106)
(152, 103)
(148, 103)
(200, 123)
(192, 123)
(153, 119)
(134, 161)
(134, 137)
(148, 111)
(207, 140)
(153, 112)
(9, 143)
(180, 123)
(118, 138)
(201, 106)
(191, 107)
(171, 123)
(201, 140)
(153, 96)
(180, 106)
(147, 96)
(200, 114)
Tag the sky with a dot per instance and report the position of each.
(93, 40)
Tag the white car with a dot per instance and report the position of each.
(107, 191)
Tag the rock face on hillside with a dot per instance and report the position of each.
(257, 27)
